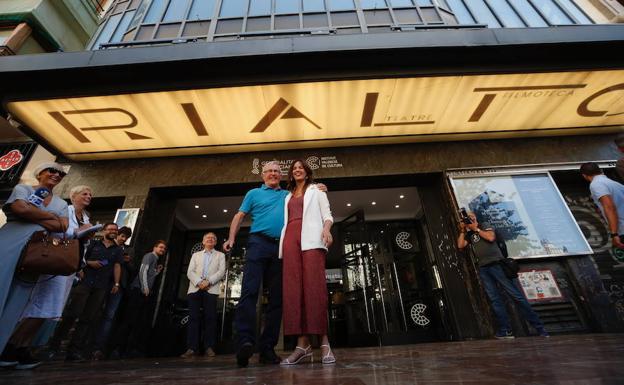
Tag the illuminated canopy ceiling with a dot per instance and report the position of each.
(333, 113)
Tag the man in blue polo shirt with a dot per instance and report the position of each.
(266, 206)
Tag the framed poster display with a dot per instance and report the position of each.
(526, 210)
(127, 217)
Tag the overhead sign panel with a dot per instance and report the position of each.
(334, 113)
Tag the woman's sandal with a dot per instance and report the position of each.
(329, 357)
(307, 353)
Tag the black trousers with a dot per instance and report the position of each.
(135, 325)
(196, 301)
(84, 304)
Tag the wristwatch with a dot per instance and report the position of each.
(117, 284)
(613, 235)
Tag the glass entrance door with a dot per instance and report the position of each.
(359, 281)
(389, 284)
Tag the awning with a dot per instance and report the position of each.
(167, 113)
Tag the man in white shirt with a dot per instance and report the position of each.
(206, 269)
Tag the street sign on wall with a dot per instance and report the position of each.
(13, 160)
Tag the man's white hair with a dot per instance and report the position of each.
(271, 163)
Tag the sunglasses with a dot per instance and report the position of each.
(53, 170)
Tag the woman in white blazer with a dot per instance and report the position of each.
(303, 246)
(206, 269)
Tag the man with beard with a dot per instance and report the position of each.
(101, 275)
(113, 301)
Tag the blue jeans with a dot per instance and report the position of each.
(108, 317)
(262, 265)
(493, 279)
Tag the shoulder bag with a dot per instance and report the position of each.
(46, 254)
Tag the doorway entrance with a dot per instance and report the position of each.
(389, 283)
(382, 283)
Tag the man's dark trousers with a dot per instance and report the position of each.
(261, 265)
(208, 301)
(85, 304)
(135, 326)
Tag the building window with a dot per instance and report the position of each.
(109, 28)
(461, 12)
(341, 5)
(575, 11)
(482, 13)
(176, 10)
(519, 13)
(313, 6)
(552, 12)
(233, 8)
(286, 6)
(528, 13)
(259, 7)
(122, 27)
(373, 4)
(155, 11)
(506, 13)
(201, 10)
(145, 20)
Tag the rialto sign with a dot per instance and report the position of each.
(325, 114)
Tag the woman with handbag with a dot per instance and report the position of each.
(28, 210)
(303, 246)
(50, 294)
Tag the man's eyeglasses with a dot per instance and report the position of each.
(272, 171)
(53, 170)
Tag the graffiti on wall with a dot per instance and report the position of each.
(608, 263)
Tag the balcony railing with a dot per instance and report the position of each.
(95, 5)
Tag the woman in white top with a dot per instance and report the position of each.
(303, 245)
(50, 293)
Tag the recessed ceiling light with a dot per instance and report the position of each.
(373, 203)
(396, 206)
(196, 206)
(401, 196)
(348, 204)
(204, 216)
(225, 210)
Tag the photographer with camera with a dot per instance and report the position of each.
(489, 259)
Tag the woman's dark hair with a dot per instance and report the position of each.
(291, 179)
(126, 231)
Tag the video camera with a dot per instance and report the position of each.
(463, 215)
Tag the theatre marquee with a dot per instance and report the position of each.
(326, 114)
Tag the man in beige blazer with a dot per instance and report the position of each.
(205, 271)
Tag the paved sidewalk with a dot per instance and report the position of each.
(574, 359)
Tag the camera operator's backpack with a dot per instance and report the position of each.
(509, 265)
(501, 244)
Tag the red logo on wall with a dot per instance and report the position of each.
(10, 159)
